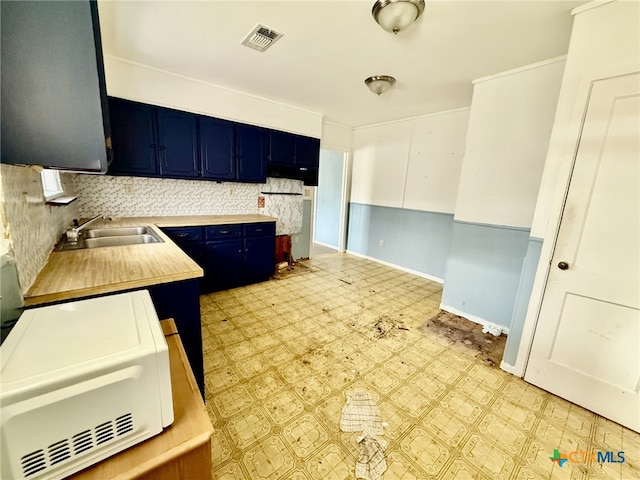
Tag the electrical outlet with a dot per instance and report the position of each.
(296, 239)
(128, 188)
(382, 243)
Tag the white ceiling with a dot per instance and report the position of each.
(330, 47)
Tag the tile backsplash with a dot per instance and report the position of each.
(33, 226)
(116, 196)
(283, 199)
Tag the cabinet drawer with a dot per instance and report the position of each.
(184, 234)
(259, 229)
(216, 232)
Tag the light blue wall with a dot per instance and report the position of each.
(328, 198)
(413, 239)
(529, 267)
(483, 270)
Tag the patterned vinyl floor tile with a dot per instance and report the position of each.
(281, 355)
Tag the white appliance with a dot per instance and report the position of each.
(79, 382)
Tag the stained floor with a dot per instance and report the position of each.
(281, 355)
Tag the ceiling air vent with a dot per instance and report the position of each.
(261, 38)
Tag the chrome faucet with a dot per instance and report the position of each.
(74, 232)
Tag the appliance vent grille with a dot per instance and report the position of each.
(104, 433)
(124, 424)
(261, 38)
(82, 441)
(59, 452)
(33, 463)
(79, 443)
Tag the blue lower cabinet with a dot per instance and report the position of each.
(259, 258)
(230, 255)
(225, 264)
(181, 301)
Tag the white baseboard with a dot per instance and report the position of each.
(490, 326)
(398, 267)
(332, 247)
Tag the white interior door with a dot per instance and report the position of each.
(586, 346)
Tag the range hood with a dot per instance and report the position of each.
(308, 175)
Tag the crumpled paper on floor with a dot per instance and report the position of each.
(361, 414)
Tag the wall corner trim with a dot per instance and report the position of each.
(524, 68)
(415, 117)
(590, 6)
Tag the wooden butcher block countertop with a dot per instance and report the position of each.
(75, 274)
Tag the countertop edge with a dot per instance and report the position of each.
(157, 222)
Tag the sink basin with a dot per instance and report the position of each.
(111, 237)
(115, 232)
(119, 241)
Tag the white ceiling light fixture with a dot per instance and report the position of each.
(380, 83)
(396, 15)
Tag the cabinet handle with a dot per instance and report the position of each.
(258, 229)
(163, 148)
(182, 235)
(240, 251)
(153, 145)
(224, 231)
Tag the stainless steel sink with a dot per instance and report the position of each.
(120, 240)
(116, 232)
(111, 237)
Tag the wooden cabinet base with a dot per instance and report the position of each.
(194, 464)
(183, 450)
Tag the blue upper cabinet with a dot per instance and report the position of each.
(134, 138)
(161, 142)
(217, 149)
(53, 94)
(294, 150)
(283, 148)
(252, 150)
(177, 144)
(307, 151)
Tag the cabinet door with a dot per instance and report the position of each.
(217, 149)
(190, 240)
(181, 301)
(259, 258)
(134, 145)
(224, 267)
(252, 148)
(307, 151)
(282, 148)
(53, 93)
(177, 144)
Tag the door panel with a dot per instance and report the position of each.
(252, 150)
(586, 346)
(259, 262)
(224, 268)
(134, 144)
(307, 151)
(217, 149)
(178, 144)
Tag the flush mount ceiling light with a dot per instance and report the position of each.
(380, 83)
(396, 15)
